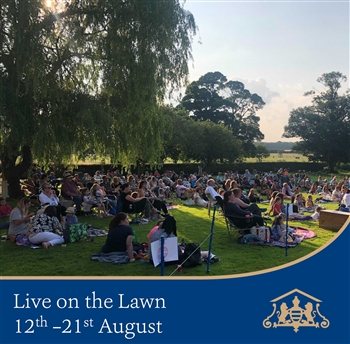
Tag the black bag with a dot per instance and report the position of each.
(191, 256)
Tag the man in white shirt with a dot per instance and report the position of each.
(210, 189)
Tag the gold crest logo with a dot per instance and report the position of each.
(296, 316)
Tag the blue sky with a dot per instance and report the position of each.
(276, 48)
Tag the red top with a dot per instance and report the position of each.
(5, 210)
(276, 209)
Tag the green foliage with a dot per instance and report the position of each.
(202, 141)
(214, 98)
(87, 75)
(324, 126)
(261, 152)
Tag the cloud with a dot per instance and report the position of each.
(274, 116)
(259, 86)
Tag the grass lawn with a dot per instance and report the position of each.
(193, 225)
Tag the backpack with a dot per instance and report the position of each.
(191, 256)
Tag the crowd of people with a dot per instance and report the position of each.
(148, 194)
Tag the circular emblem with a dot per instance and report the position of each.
(165, 252)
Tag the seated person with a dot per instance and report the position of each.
(278, 229)
(48, 197)
(210, 189)
(336, 194)
(133, 205)
(182, 191)
(19, 218)
(346, 199)
(70, 191)
(155, 228)
(309, 204)
(78, 181)
(316, 215)
(287, 191)
(265, 189)
(5, 210)
(108, 187)
(120, 236)
(45, 228)
(96, 198)
(156, 203)
(299, 202)
(247, 219)
(70, 218)
(252, 208)
(276, 206)
(253, 197)
(167, 228)
(198, 200)
(86, 179)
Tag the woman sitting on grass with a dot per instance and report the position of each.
(198, 200)
(336, 194)
(120, 236)
(45, 228)
(167, 228)
(253, 197)
(19, 218)
(265, 189)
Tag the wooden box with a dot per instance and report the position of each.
(332, 219)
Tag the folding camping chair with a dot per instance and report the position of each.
(211, 202)
(235, 224)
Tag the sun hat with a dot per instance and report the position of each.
(70, 210)
(67, 174)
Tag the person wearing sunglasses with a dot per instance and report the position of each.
(48, 197)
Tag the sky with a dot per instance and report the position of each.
(278, 49)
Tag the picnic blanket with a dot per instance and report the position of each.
(305, 232)
(297, 240)
(113, 257)
(172, 206)
(94, 232)
(299, 235)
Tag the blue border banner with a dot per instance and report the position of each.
(304, 302)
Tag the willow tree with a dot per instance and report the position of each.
(80, 75)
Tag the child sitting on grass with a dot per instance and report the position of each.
(278, 229)
(316, 215)
(70, 218)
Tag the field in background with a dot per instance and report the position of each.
(284, 157)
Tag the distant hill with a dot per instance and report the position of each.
(279, 145)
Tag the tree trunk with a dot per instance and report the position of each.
(12, 172)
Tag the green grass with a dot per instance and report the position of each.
(193, 225)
